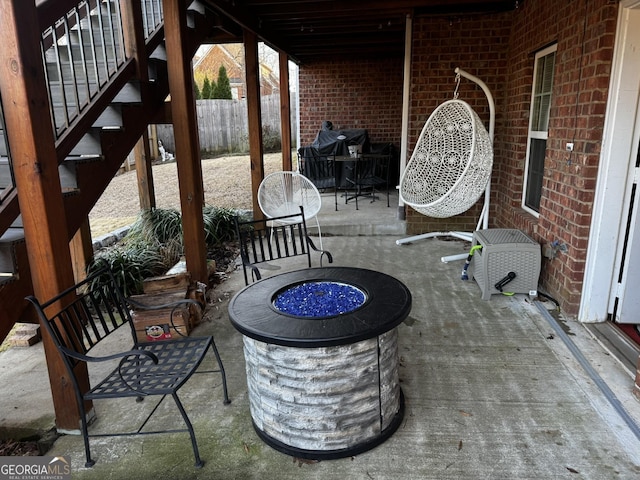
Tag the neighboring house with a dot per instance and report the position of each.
(231, 56)
(573, 65)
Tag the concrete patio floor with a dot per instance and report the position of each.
(492, 390)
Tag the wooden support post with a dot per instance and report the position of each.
(81, 248)
(252, 73)
(285, 112)
(31, 139)
(134, 42)
(135, 48)
(144, 172)
(185, 128)
(154, 152)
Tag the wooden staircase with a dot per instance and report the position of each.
(102, 102)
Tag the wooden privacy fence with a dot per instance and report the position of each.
(223, 126)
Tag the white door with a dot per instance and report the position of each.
(611, 287)
(624, 305)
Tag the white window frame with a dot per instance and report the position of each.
(535, 134)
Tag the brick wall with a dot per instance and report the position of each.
(584, 32)
(499, 49)
(352, 94)
(477, 45)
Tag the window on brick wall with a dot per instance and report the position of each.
(538, 128)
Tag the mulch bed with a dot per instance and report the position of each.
(225, 256)
(13, 448)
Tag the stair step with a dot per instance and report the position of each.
(6, 180)
(3, 144)
(89, 144)
(157, 70)
(197, 7)
(130, 93)
(6, 278)
(12, 236)
(66, 170)
(196, 17)
(68, 177)
(111, 117)
(160, 53)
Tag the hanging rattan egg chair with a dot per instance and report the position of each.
(451, 165)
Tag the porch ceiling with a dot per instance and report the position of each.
(313, 30)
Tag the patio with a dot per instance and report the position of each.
(491, 389)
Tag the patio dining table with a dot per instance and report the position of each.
(356, 172)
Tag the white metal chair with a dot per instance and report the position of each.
(283, 193)
(450, 167)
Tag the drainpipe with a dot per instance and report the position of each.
(406, 91)
(297, 96)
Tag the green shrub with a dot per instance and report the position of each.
(130, 266)
(271, 141)
(222, 87)
(218, 225)
(160, 229)
(154, 244)
(161, 225)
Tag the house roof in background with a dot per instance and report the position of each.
(209, 59)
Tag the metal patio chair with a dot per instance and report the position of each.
(273, 239)
(84, 315)
(372, 174)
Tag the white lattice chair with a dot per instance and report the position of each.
(451, 165)
(282, 193)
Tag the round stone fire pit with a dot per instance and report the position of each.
(321, 356)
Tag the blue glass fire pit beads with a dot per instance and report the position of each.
(319, 299)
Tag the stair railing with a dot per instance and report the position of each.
(152, 16)
(82, 50)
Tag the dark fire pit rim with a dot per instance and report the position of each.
(388, 304)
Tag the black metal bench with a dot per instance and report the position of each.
(82, 316)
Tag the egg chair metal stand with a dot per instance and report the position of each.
(450, 167)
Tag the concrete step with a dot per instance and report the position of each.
(371, 218)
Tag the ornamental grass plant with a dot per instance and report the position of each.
(155, 243)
